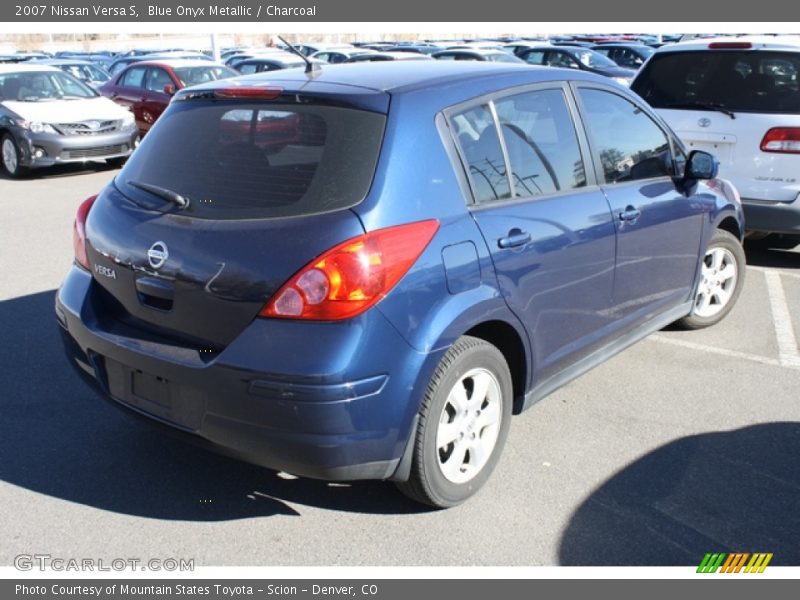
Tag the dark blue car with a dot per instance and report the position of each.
(362, 273)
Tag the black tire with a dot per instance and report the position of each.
(469, 362)
(726, 245)
(13, 167)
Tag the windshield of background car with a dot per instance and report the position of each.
(593, 59)
(194, 75)
(86, 72)
(237, 160)
(503, 57)
(739, 80)
(42, 86)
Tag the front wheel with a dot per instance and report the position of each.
(464, 422)
(721, 280)
(9, 150)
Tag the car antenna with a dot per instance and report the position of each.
(311, 67)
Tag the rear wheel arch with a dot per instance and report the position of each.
(508, 341)
(462, 426)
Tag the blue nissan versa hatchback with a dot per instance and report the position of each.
(362, 273)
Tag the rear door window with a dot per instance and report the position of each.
(242, 160)
(739, 80)
(541, 143)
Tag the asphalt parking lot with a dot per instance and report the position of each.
(686, 443)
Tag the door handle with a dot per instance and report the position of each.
(630, 214)
(515, 237)
(153, 286)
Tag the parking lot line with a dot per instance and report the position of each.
(764, 360)
(781, 317)
(770, 270)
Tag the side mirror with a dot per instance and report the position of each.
(169, 89)
(701, 165)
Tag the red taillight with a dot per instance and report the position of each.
(782, 139)
(351, 277)
(79, 232)
(730, 45)
(255, 93)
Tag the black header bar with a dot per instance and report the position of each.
(356, 11)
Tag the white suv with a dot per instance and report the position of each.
(738, 98)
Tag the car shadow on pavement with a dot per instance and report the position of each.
(56, 171)
(760, 255)
(58, 438)
(734, 491)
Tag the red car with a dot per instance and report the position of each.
(146, 87)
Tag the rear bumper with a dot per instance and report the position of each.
(322, 400)
(775, 217)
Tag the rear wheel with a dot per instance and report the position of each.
(464, 422)
(721, 279)
(11, 155)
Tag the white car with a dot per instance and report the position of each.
(48, 117)
(738, 98)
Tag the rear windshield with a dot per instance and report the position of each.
(241, 160)
(739, 80)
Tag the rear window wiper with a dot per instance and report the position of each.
(703, 106)
(162, 192)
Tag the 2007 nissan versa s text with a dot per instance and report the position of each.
(364, 272)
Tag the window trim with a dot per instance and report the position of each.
(498, 127)
(462, 168)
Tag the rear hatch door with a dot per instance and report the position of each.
(222, 203)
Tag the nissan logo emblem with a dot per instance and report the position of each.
(704, 122)
(157, 255)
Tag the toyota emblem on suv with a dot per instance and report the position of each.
(157, 255)
(704, 122)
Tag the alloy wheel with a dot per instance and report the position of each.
(469, 426)
(719, 275)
